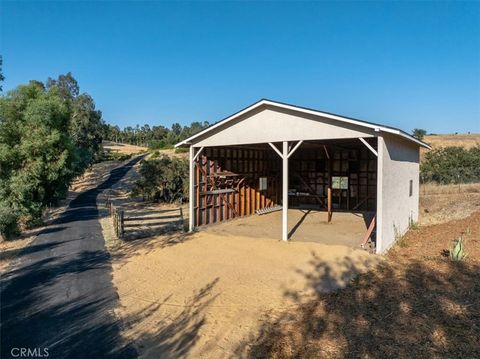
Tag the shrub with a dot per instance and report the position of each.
(8, 221)
(164, 179)
(451, 165)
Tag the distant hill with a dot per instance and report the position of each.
(462, 140)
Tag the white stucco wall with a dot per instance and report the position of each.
(269, 124)
(398, 163)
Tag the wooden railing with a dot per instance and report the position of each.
(135, 223)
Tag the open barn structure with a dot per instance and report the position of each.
(273, 156)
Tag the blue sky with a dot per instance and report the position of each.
(402, 64)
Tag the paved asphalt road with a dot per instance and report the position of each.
(59, 296)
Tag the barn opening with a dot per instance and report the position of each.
(239, 181)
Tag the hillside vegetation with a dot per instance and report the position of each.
(49, 134)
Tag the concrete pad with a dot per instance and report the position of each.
(346, 228)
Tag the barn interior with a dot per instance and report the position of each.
(325, 178)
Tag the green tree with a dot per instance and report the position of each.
(48, 135)
(163, 179)
(451, 165)
(86, 124)
(86, 127)
(419, 133)
(36, 153)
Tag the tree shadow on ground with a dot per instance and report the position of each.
(175, 334)
(415, 309)
(126, 249)
(64, 300)
(18, 252)
(30, 300)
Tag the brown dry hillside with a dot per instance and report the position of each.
(461, 140)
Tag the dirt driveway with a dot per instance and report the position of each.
(199, 295)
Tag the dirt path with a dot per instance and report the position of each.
(198, 296)
(58, 293)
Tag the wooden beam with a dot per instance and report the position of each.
(198, 153)
(368, 146)
(362, 202)
(276, 149)
(326, 152)
(369, 232)
(294, 149)
(312, 191)
(329, 205)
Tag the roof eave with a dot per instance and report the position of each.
(373, 126)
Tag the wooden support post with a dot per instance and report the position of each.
(329, 204)
(369, 232)
(191, 194)
(285, 191)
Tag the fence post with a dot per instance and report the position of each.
(115, 221)
(121, 224)
(182, 224)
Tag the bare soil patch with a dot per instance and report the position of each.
(198, 295)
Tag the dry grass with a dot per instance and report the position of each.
(123, 148)
(442, 203)
(430, 189)
(417, 304)
(9, 250)
(462, 140)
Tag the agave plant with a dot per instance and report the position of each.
(457, 252)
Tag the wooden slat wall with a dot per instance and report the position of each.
(250, 165)
(312, 164)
